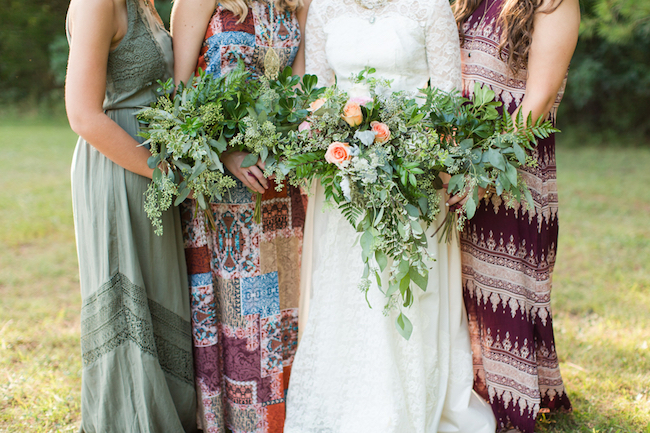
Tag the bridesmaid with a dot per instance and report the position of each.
(135, 319)
(521, 50)
(244, 276)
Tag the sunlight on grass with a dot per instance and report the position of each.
(40, 362)
(601, 295)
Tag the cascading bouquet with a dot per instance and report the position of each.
(188, 132)
(367, 149)
(482, 149)
(378, 155)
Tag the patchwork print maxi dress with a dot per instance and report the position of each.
(245, 276)
(508, 257)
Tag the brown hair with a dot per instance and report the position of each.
(516, 18)
(240, 7)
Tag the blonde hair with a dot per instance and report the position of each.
(240, 7)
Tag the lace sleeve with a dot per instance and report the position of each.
(443, 47)
(315, 41)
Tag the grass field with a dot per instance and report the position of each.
(601, 295)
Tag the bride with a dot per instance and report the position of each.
(353, 372)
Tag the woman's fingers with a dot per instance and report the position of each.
(261, 164)
(458, 198)
(250, 181)
(259, 175)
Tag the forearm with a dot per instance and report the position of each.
(299, 62)
(537, 102)
(189, 21)
(113, 142)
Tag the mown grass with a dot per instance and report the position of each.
(601, 294)
(40, 366)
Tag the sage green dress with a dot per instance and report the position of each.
(135, 319)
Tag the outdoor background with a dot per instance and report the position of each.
(601, 295)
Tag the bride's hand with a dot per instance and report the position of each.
(252, 177)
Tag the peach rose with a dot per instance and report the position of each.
(382, 133)
(317, 104)
(352, 113)
(337, 153)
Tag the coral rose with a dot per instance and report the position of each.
(317, 104)
(352, 113)
(337, 153)
(382, 133)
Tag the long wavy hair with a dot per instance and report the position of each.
(516, 18)
(240, 7)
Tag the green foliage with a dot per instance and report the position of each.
(27, 30)
(34, 49)
(187, 132)
(482, 149)
(609, 76)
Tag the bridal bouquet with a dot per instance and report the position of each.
(187, 133)
(367, 148)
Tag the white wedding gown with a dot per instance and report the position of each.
(353, 372)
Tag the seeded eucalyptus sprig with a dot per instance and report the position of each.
(186, 133)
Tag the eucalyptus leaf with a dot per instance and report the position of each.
(421, 280)
(366, 137)
(382, 259)
(404, 326)
(511, 173)
(250, 160)
(470, 208)
(496, 159)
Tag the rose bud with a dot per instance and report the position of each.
(317, 104)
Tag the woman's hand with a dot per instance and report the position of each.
(461, 197)
(252, 177)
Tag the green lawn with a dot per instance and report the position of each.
(601, 294)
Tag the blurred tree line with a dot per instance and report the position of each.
(609, 78)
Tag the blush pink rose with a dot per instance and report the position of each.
(352, 113)
(304, 126)
(337, 153)
(361, 100)
(382, 133)
(317, 104)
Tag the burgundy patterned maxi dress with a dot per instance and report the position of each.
(244, 276)
(508, 257)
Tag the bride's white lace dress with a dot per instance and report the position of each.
(353, 372)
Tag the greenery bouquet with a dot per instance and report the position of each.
(187, 132)
(481, 148)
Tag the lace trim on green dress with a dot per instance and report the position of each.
(121, 312)
(138, 59)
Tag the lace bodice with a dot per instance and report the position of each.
(408, 41)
